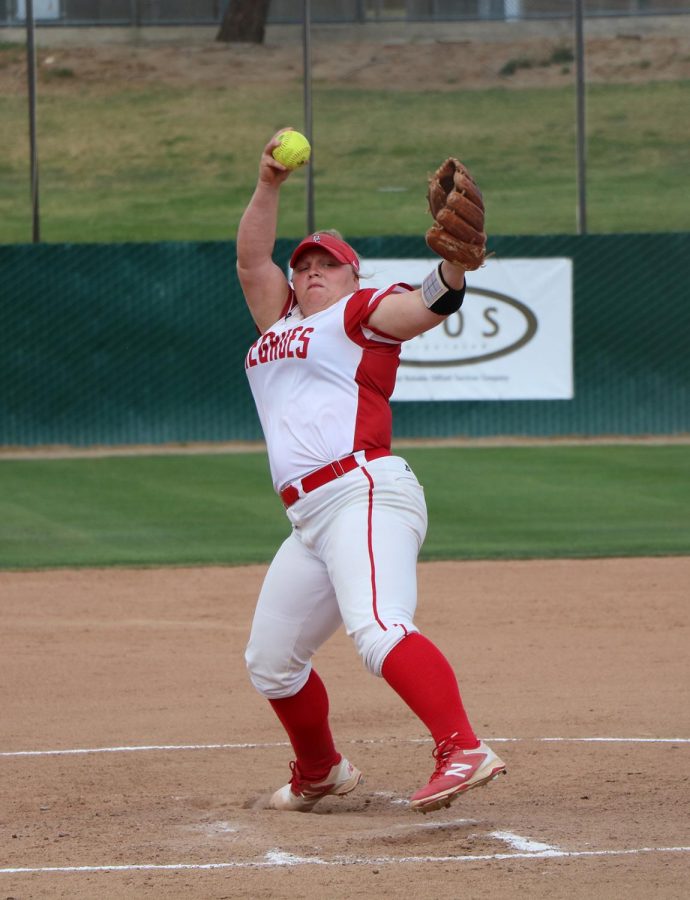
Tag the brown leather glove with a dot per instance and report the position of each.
(456, 204)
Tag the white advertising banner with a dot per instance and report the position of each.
(511, 340)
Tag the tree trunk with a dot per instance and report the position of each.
(244, 22)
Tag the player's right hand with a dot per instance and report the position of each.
(271, 172)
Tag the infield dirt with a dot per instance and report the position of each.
(547, 654)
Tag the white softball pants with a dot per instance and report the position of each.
(351, 558)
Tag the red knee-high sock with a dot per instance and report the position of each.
(305, 718)
(418, 671)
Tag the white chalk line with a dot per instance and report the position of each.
(522, 844)
(150, 748)
(146, 748)
(277, 858)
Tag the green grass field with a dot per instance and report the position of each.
(166, 164)
(527, 502)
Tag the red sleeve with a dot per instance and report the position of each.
(361, 305)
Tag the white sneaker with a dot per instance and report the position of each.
(302, 796)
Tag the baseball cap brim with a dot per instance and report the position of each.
(337, 248)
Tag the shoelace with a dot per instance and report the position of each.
(304, 788)
(295, 780)
(442, 753)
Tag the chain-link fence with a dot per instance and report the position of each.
(206, 12)
(146, 344)
(503, 96)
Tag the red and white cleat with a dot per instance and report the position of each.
(456, 771)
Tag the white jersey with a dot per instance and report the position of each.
(322, 384)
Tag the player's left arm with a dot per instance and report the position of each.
(406, 315)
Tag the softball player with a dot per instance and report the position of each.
(321, 373)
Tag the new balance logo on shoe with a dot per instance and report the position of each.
(458, 770)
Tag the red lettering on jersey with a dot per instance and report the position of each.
(273, 349)
(264, 346)
(304, 341)
(251, 359)
(294, 332)
(282, 345)
(272, 346)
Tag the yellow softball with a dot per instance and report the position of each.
(293, 151)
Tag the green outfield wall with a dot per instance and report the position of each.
(145, 343)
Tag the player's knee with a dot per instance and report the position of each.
(274, 678)
(374, 643)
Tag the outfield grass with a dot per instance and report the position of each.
(165, 164)
(496, 503)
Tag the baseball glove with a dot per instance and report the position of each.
(456, 204)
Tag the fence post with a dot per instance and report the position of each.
(581, 137)
(31, 65)
(308, 129)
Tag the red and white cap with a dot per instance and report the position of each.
(337, 248)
